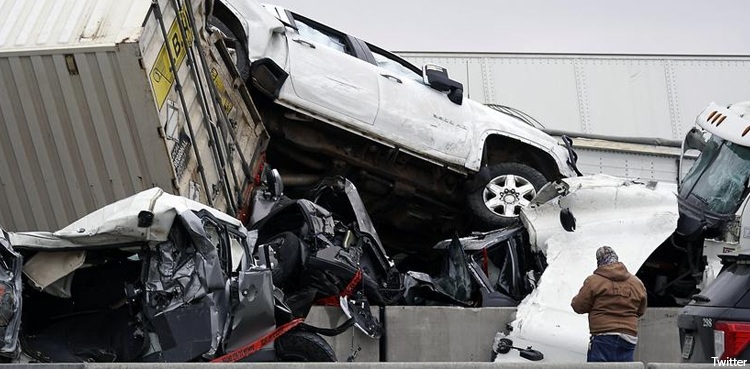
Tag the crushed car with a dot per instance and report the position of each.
(150, 278)
(423, 156)
(324, 250)
(487, 269)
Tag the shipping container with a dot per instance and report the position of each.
(631, 96)
(92, 111)
(627, 114)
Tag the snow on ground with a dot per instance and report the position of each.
(632, 218)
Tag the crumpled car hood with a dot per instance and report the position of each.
(634, 218)
(118, 223)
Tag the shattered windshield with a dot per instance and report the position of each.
(719, 176)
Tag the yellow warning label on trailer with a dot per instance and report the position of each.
(225, 103)
(161, 74)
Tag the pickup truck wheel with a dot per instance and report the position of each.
(233, 43)
(505, 190)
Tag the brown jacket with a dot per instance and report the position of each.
(613, 298)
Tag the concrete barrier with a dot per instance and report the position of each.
(442, 334)
(450, 334)
(459, 335)
(658, 336)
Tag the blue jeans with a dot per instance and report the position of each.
(609, 348)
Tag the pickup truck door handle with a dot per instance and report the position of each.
(392, 78)
(303, 42)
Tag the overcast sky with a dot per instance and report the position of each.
(705, 27)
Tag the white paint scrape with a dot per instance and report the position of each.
(633, 218)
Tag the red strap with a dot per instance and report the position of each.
(348, 291)
(253, 347)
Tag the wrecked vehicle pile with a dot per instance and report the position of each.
(157, 277)
(427, 159)
(154, 278)
(149, 264)
(325, 247)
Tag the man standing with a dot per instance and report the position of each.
(614, 299)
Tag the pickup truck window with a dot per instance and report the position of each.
(311, 31)
(395, 64)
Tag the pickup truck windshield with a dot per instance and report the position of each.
(719, 177)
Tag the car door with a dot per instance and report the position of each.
(327, 76)
(10, 297)
(417, 116)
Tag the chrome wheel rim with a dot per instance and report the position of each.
(505, 195)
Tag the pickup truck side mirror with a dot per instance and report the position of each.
(437, 78)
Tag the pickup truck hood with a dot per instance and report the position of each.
(489, 121)
(492, 120)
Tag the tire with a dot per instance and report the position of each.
(303, 346)
(240, 47)
(287, 259)
(497, 202)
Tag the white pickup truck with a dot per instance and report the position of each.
(337, 104)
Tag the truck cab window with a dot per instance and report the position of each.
(720, 176)
(320, 35)
(395, 65)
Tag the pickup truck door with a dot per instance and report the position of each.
(325, 71)
(10, 296)
(417, 116)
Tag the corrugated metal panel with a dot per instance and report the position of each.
(71, 142)
(80, 127)
(698, 81)
(516, 82)
(626, 98)
(619, 95)
(44, 25)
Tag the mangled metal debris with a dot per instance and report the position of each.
(173, 280)
(634, 218)
(325, 250)
(153, 277)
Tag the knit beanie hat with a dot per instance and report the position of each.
(605, 255)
